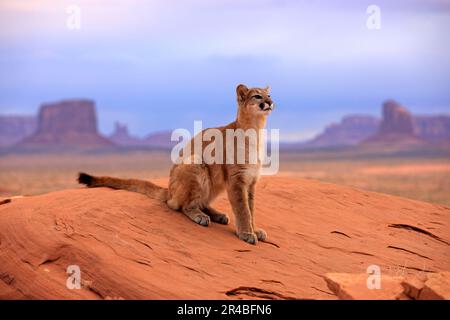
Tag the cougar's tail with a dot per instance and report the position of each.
(140, 186)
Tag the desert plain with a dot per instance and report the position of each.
(418, 177)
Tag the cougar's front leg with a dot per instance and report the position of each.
(238, 195)
(216, 216)
(260, 233)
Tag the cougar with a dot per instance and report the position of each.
(193, 186)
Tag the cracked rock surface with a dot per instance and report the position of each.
(128, 246)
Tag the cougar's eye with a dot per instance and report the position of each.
(257, 96)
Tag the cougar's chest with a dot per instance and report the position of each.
(251, 174)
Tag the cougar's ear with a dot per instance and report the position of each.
(241, 91)
(267, 89)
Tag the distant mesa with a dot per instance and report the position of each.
(396, 127)
(157, 140)
(350, 131)
(432, 128)
(73, 123)
(67, 123)
(396, 120)
(122, 137)
(160, 140)
(14, 128)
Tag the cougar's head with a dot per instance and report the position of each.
(254, 101)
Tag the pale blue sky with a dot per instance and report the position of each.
(162, 64)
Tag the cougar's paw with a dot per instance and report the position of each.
(202, 219)
(220, 218)
(261, 234)
(248, 237)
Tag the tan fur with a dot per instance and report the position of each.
(192, 187)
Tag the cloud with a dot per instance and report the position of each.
(294, 31)
(313, 53)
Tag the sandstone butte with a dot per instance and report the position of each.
(322, 238)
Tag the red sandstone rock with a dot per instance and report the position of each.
(354, 287)
(413, 285)
(132, 247)
(437, 287)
